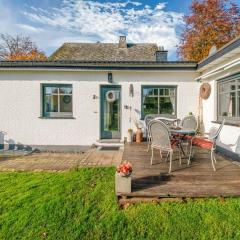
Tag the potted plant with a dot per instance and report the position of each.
(129, 135)
(123, 179)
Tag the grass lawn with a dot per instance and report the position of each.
(81, 205)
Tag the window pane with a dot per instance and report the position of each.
(150, 105)
(156, 92)
(51, 103)
(227, 87)
(51, 90)
(65, 90)
(227, 104)
(172, 92)
(150, 91)
(65, 103)
(166, 92)
(147, 91)
(161, 91)
(166, 105)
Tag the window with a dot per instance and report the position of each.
(158, 100)
(57, 100)
(229, 99)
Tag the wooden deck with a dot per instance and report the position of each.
(197, 180)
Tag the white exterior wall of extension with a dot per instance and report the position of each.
(230, 136)
(20, 103)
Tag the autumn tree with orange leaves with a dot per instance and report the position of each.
(19, 48)
(211, 22)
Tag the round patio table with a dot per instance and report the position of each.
(181, 134)
(190, 132)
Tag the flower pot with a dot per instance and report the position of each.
(139, 135)
(123, 184)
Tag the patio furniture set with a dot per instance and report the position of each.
(167, 134)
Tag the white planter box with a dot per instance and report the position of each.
(123, 184)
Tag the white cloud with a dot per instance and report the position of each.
(91, 21)
(28, 28)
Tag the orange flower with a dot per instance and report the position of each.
(125, 168)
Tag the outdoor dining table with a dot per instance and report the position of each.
(180, 134)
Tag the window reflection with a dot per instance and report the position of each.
(228, 105)
(229, 99)
(57, 100)
(159, 100)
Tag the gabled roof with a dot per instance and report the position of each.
(105, 52)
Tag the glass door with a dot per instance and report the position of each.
(110, 112)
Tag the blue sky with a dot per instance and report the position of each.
(50, 23)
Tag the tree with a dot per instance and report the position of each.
(211, 22)
(19, 48)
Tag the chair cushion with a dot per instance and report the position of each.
(174, 142)
(203, 143)
(177, 135)
(189, 137)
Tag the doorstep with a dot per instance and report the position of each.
(108, 144)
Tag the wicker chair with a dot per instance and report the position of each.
(147, 120)
(208, 143)
(161, 140)
(189, 122)
(167, 119)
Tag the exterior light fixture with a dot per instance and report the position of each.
(110, 77)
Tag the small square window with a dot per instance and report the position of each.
(57, 100)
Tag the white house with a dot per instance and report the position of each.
(66, 102)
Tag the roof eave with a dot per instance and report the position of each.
(222, 51)
(96, 65)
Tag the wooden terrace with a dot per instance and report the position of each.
(198, 180)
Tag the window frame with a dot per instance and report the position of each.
(58, 114)
(175, 87)
(236, 78)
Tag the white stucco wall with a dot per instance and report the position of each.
(230, 136)
(20, 103)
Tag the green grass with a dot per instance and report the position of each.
(81, 205)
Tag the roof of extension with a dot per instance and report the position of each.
(105, 52)
(234, 44)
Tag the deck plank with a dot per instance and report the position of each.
(195, 180)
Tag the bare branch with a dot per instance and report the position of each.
(14, 47)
